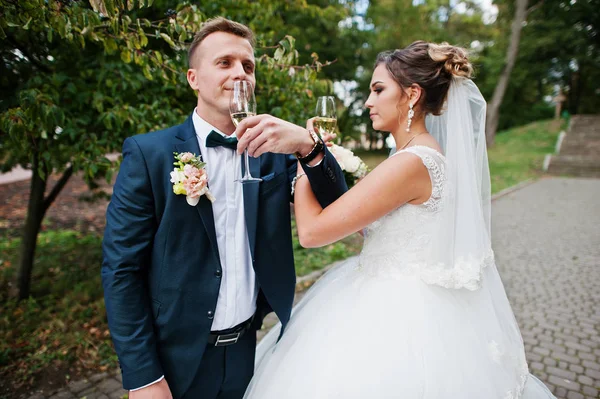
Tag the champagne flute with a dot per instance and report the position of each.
(242, 105)
(325, 120)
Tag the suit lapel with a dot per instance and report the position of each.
(188, 142)
(250, 190)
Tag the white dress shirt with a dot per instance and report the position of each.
(238, 292)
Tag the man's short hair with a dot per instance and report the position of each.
(219, 24)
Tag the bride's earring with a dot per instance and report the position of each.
(411, 114)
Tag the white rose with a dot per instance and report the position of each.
(177, 176)
(342, 155)
(353, 164)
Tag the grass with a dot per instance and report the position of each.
(63, 328)
(518, 154)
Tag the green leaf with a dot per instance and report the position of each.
(126, 56)
(279, 53)
(110, 7)
(26, 26)
(147, 72)
(110, 46)
(137, 58)
(168, 39)
(143, 38)
(285, 43)
(183, 36)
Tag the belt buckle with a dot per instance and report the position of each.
(227, 339)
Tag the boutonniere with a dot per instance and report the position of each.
(189, 178)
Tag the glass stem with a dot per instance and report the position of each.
(247, 164)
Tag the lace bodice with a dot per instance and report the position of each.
(398, 244)
(400, 236)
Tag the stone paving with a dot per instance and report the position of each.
(546, 238)
(547, 241)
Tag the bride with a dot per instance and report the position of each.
(422, 313)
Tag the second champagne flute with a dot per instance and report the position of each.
(325, 119)
(241, 106)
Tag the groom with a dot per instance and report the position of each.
(186, 287)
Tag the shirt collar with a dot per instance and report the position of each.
(202, 127)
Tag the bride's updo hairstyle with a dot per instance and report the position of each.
(429, 65)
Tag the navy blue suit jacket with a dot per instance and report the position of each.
(161, 268)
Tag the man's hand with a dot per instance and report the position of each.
(159, 390)
(265, 133)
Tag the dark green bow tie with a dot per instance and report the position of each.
(215, 139)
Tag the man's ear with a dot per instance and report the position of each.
(192, 78)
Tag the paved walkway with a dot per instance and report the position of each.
(546, 238)
(547, 244)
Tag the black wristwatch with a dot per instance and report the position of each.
(317, 148)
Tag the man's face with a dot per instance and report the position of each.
(218, 61)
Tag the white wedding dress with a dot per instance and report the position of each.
(385, 326)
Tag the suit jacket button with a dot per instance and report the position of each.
(218, 273)
(210, 315)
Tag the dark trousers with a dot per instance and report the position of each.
(225, 371)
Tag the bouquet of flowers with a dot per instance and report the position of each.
(354, 168)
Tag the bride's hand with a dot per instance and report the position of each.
(327, 137)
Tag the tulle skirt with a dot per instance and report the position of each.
(358, 335)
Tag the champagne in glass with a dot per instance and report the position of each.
(325, 120)
(242, 105)
(237, 117)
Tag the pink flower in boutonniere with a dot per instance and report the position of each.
(186, 157)
(189, 178)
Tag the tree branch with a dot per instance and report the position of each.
(60, 184)
(534, 7)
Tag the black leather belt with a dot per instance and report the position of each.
(229, 336)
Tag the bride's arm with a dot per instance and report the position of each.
(396, 181)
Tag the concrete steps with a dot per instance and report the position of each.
(579, 154)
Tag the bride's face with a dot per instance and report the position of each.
(385, 101)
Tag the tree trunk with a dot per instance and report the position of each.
(493, 112)
(576, 89)
(35, 215)
(36, 210)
